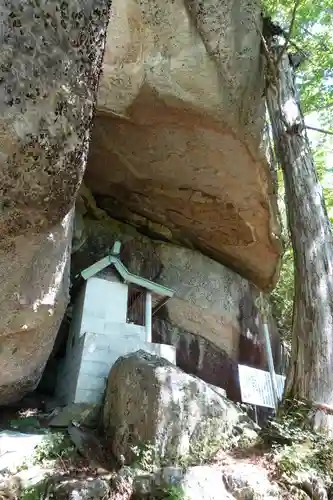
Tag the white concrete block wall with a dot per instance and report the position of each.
(105, 302)
(101, 352)
(124, 330)
(90, 397)
(103, 349)
(69, 372)
(99, 336)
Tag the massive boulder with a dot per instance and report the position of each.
(176, 146)
(181, 418)
(175, 151)
(34, 273)
(50, 59)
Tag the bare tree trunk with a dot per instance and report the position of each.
(311, 368)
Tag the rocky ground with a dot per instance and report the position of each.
(38, 461)
(209, 449)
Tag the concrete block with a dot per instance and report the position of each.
(95, 368)
(90, 383)
(88, 396)
(106, 299)
(163, 350)
(91, 324)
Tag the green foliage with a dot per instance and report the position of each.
(297, 448)
(313, 34)
(292, 460)
(53, 447)
(291, 426)
(36, 492)
(314, 457)
(173, 492)
(25, 424)
(145, 457)
(282, 297)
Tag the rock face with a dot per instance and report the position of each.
(51, 54)
(34, 272)
(212, 320)
(86, 489)
(249, 481)
(241, 481)
(197, 482)
(176, 146)
(180, 417)
(179, 126)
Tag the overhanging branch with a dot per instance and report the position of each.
(321, 130)
(291, 27)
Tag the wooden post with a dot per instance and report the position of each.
(148, 317)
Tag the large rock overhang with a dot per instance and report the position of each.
(176, 143)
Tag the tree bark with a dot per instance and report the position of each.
(310, 374)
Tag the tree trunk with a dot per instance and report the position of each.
(310, 374)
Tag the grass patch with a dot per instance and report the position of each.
(36, 492)
(298, 450)
(173, 492)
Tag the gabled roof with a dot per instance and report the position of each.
(114, 260)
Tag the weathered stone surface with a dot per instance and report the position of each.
(48, 82)
(240, 481)
(16, 448)
(196, 483)
(34, 273)
(212, 321)
(82, 489)
(181, 417)
(50, 61)
(82, 413)
(248, 482)
(207, 296)
(49, 70)
(176, 140)
(204, 482)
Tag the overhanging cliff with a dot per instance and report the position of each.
(176, 144)
(175, 150)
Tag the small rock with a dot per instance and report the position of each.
(88, 489)
(314, 486)
(141, 482)
(122, 484)
(249, 482)
(196, 483)
(169, 475)
(143, 485)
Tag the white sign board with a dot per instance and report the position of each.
(256, 386)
